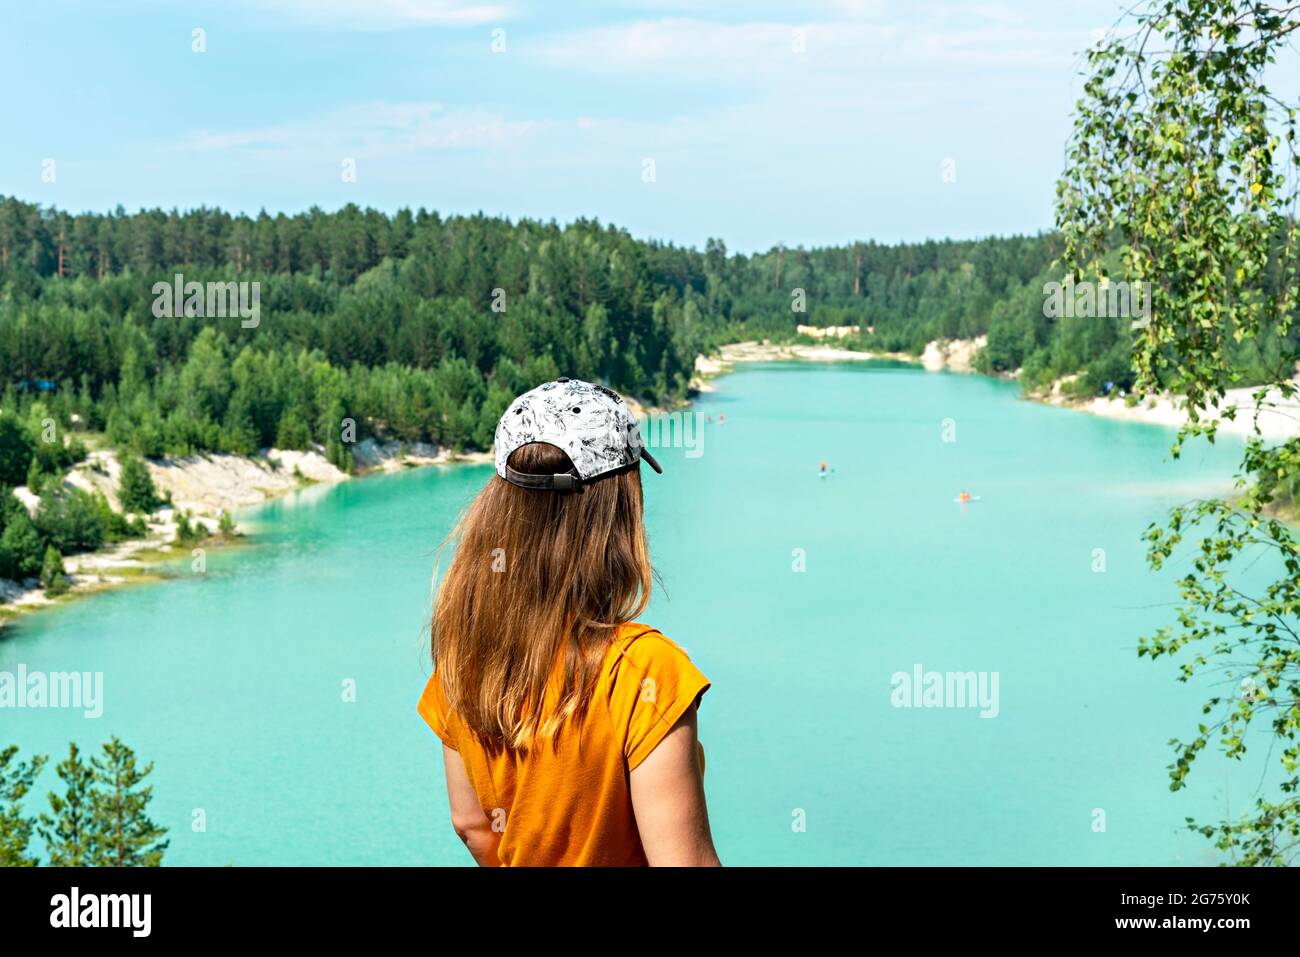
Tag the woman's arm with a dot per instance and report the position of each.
(471, 824)
(668, 801)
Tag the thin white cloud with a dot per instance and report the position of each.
(696, 48)
(856, 9)
(362, 15)
(369, 131)
(997, 12)
(755, 9)
(773, 51)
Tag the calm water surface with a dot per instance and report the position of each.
(232, 681)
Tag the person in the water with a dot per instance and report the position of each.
(568, 730)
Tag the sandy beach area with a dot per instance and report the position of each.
(205, 487)
(1278, 418)
(955, 355)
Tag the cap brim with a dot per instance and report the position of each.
(645, 454)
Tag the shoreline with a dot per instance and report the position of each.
(1278, 421)
(1279, 418)
(209, 485)
(956, 355)
(205, 486)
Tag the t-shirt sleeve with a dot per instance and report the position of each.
(657, 683)
(433, 709)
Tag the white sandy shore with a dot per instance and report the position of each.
(205, 486)
(1278, 419)
(957, 355)
(372, 456)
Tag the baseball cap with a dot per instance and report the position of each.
(591, 424)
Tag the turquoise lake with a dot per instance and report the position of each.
(232, 681)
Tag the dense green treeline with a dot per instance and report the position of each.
(416, 327)
(421, 328)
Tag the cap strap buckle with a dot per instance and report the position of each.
(560, 482)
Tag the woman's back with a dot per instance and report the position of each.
(570, 802)
(569, 732)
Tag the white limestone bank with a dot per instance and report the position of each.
(205, 487)
(1278, 418)
(956, 355)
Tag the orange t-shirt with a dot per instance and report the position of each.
(571, 804)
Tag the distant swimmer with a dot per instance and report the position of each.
(824, 472)
(964, 497)
(722, 419)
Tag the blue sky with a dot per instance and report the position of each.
(805, 123)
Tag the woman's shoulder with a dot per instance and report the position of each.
(652, 683)
(433, 707)
(639, 651)
(644, 644)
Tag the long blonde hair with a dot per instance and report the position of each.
(538, 575)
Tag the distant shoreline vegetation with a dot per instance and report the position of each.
(419, 328)
(413, 327)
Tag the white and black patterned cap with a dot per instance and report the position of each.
(589, 423)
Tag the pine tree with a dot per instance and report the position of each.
(20, 546)
(69, 831)
(125, 836)
(16, 450)
(16, 778)
(54, 579)
(135, 487)
(292, 431)
(188, 531)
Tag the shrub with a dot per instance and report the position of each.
(187, 531)
(16, 450)
(72, 520)
(54, 578)
(135, 487)
(21, 550)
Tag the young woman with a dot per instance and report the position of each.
(568, 730)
